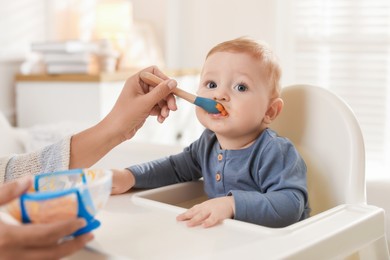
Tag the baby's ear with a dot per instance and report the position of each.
(274, 109)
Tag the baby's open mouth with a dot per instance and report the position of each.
(221, 109)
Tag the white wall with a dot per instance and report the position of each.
(188, 29)
(185, 30)
(194, 27)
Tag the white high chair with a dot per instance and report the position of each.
(342, 226)
(327, 134)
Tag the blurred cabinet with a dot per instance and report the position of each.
(44, 99)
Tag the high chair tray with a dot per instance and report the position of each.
(345, 221)
(142, 225)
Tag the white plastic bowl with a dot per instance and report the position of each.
(64, 195)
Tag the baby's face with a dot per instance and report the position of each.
(234, 80)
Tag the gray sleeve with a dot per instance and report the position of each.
(51, 158)
(284, 199)
(177, 168)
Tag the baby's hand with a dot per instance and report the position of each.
(122, 181)
(209, 213)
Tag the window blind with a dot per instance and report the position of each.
(344, 45)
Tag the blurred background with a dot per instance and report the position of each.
(343, 45)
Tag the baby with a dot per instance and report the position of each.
(250, 173)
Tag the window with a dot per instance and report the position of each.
(344, 45)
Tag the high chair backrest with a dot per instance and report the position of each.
(326, 133)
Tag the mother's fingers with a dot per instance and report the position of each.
(171, 102)
(69, 247)
(161, 111)
(55, 251)
(44, 234)
(156, 71)
(14, 189)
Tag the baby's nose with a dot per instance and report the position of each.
(221, 96)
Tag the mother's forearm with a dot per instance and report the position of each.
(90, 145)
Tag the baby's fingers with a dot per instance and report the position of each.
(195, 217)
(210, 221)
(189, 214)
(198, 219)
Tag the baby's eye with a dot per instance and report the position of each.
(211, 84)
(241, 88)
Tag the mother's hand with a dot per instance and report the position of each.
(138, 100)
(36, 241)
